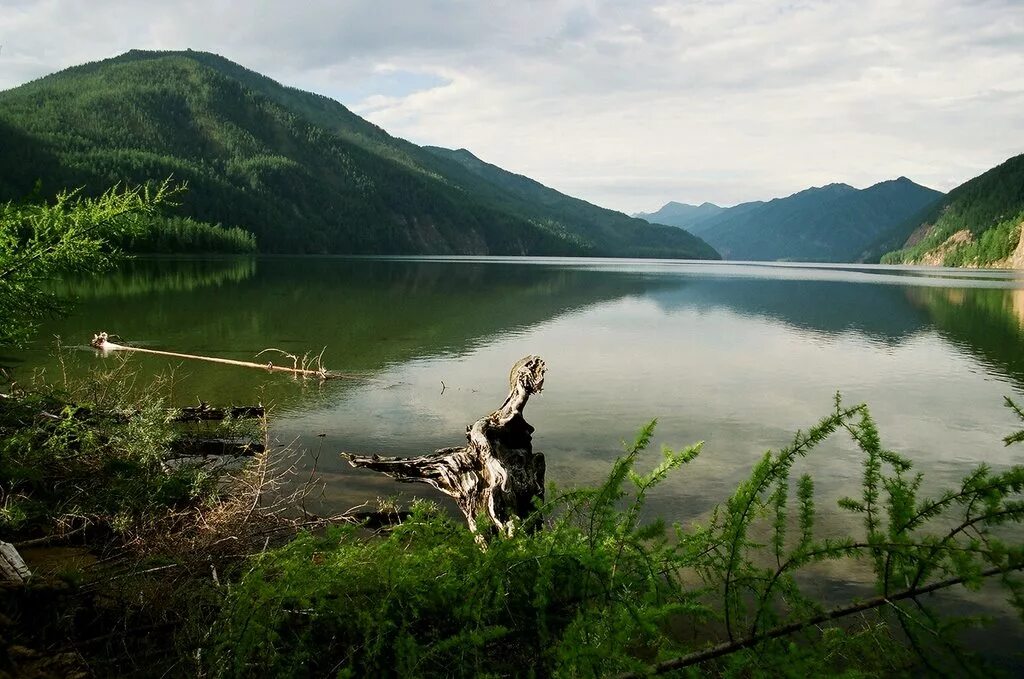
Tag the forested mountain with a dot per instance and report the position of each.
(832, 223)
(979, 223)
(681, 214)
(625, 235)
(299, 170)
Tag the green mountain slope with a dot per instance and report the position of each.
(977, 224)
(627, 236)
(833, 223)
(299, 170)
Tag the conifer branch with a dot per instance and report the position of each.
(731, 647)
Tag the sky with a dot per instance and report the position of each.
(628, 104)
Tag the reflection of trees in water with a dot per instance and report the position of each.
(371, 312)
(367, 312)
(880, 312)
(987, 322)
(140, 277)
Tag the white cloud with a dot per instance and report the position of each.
(626, 104)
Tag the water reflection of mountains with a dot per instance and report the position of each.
(368, 312)
(374, 312)
(881, 312)
(987, 322)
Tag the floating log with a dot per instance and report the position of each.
(497, 472)
(205, 412)
(102, 342)
(13, 570)
(214, 447)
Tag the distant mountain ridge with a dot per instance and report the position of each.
(979, 223)
(681, 214)
(299, 170)
(831, 223)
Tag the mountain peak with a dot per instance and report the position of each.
(901, 184)
(838, 187)
(834, 188)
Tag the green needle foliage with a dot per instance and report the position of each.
(600, 590)
(173, 235)
(40, 242)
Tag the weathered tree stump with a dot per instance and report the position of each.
(496, 472)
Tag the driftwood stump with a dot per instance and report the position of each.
(496, 472)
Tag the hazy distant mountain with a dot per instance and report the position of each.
(979, 223)
(833, 223)
(299, 170)
(681, 214)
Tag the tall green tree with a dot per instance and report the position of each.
(70, 235)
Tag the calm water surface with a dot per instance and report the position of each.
(739, 355)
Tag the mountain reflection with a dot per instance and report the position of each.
(881, 312)
(374, 312)
(987, 322)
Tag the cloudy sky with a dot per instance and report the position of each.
(626, 103)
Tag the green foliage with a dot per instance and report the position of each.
(172, 235)
(298, 170)
(40, 242)
(601, 591)
(990, 207)
(993, 245)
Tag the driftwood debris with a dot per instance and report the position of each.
(102, 342)
(205, 412)
(496, 472)
(13, 570)
(214, 447)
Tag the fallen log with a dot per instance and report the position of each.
(214, 447)
(204, 412)
(496, 472)
(101, 341)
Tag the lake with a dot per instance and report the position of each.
(738, 355)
